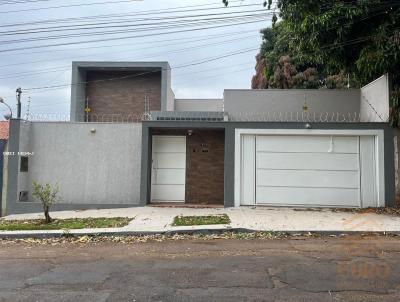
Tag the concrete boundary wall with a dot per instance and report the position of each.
(215, 105)
(96, 165)
(317, 101)
(374, 100)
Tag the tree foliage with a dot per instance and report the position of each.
(47, 196)
(323, 43)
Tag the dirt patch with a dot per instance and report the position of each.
(383, 210)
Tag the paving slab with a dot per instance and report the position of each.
(159, 220)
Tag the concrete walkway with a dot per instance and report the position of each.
(157, 220)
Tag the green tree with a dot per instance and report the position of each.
(47, 196)
(330, 39)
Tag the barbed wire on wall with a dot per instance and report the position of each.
(307, 117)
(91, 118)
(314, 117)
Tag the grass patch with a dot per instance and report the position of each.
(201, 220)
(60, 224)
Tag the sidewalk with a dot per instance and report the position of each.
(158, 220)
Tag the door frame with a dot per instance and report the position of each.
(379, 153)
(152, 169)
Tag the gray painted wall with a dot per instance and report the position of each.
(292, 100)
(78, 92)
(199, 105)
(375, 97)
(170, 100)
(3, 146)
(4, 183)
(10, 204)
(100, 169)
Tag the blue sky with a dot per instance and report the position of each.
(30, 67)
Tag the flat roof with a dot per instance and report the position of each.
(119, 65)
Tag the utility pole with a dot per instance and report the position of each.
(28, 109)
(19, 92)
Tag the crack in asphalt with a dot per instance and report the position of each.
(178, 267)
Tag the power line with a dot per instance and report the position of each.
(40, 71)
(9, 2)
(127, 37)
(173, 10)
(66, 6)
(156, 43)
(122, 23)
(121, 29)
(60, 68)
(175, 76)
(332, 46)
(98, 33)
(210, 59)
(181, 39)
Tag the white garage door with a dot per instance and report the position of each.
(308, 170)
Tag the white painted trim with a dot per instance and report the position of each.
(342, 132)
(238, 167)
(380, 168)
(379, 152)
(359, 172)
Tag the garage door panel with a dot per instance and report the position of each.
(307, 178)
(345, 144)
(307, 197)
(313, 144)
(317, 161)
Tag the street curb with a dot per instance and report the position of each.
(58, 234)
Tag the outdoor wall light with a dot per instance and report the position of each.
(308, 126)
(93, 130)
(190, 132)
(8, 115)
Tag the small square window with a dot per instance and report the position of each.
(24, 164)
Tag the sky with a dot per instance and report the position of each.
(210, 48)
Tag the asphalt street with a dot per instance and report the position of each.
(295, 269)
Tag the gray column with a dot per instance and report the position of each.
(13, 165)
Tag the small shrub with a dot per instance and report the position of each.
(47, 196)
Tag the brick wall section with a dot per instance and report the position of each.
(205, 170)
(125, 96)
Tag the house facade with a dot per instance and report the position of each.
(130, 142)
